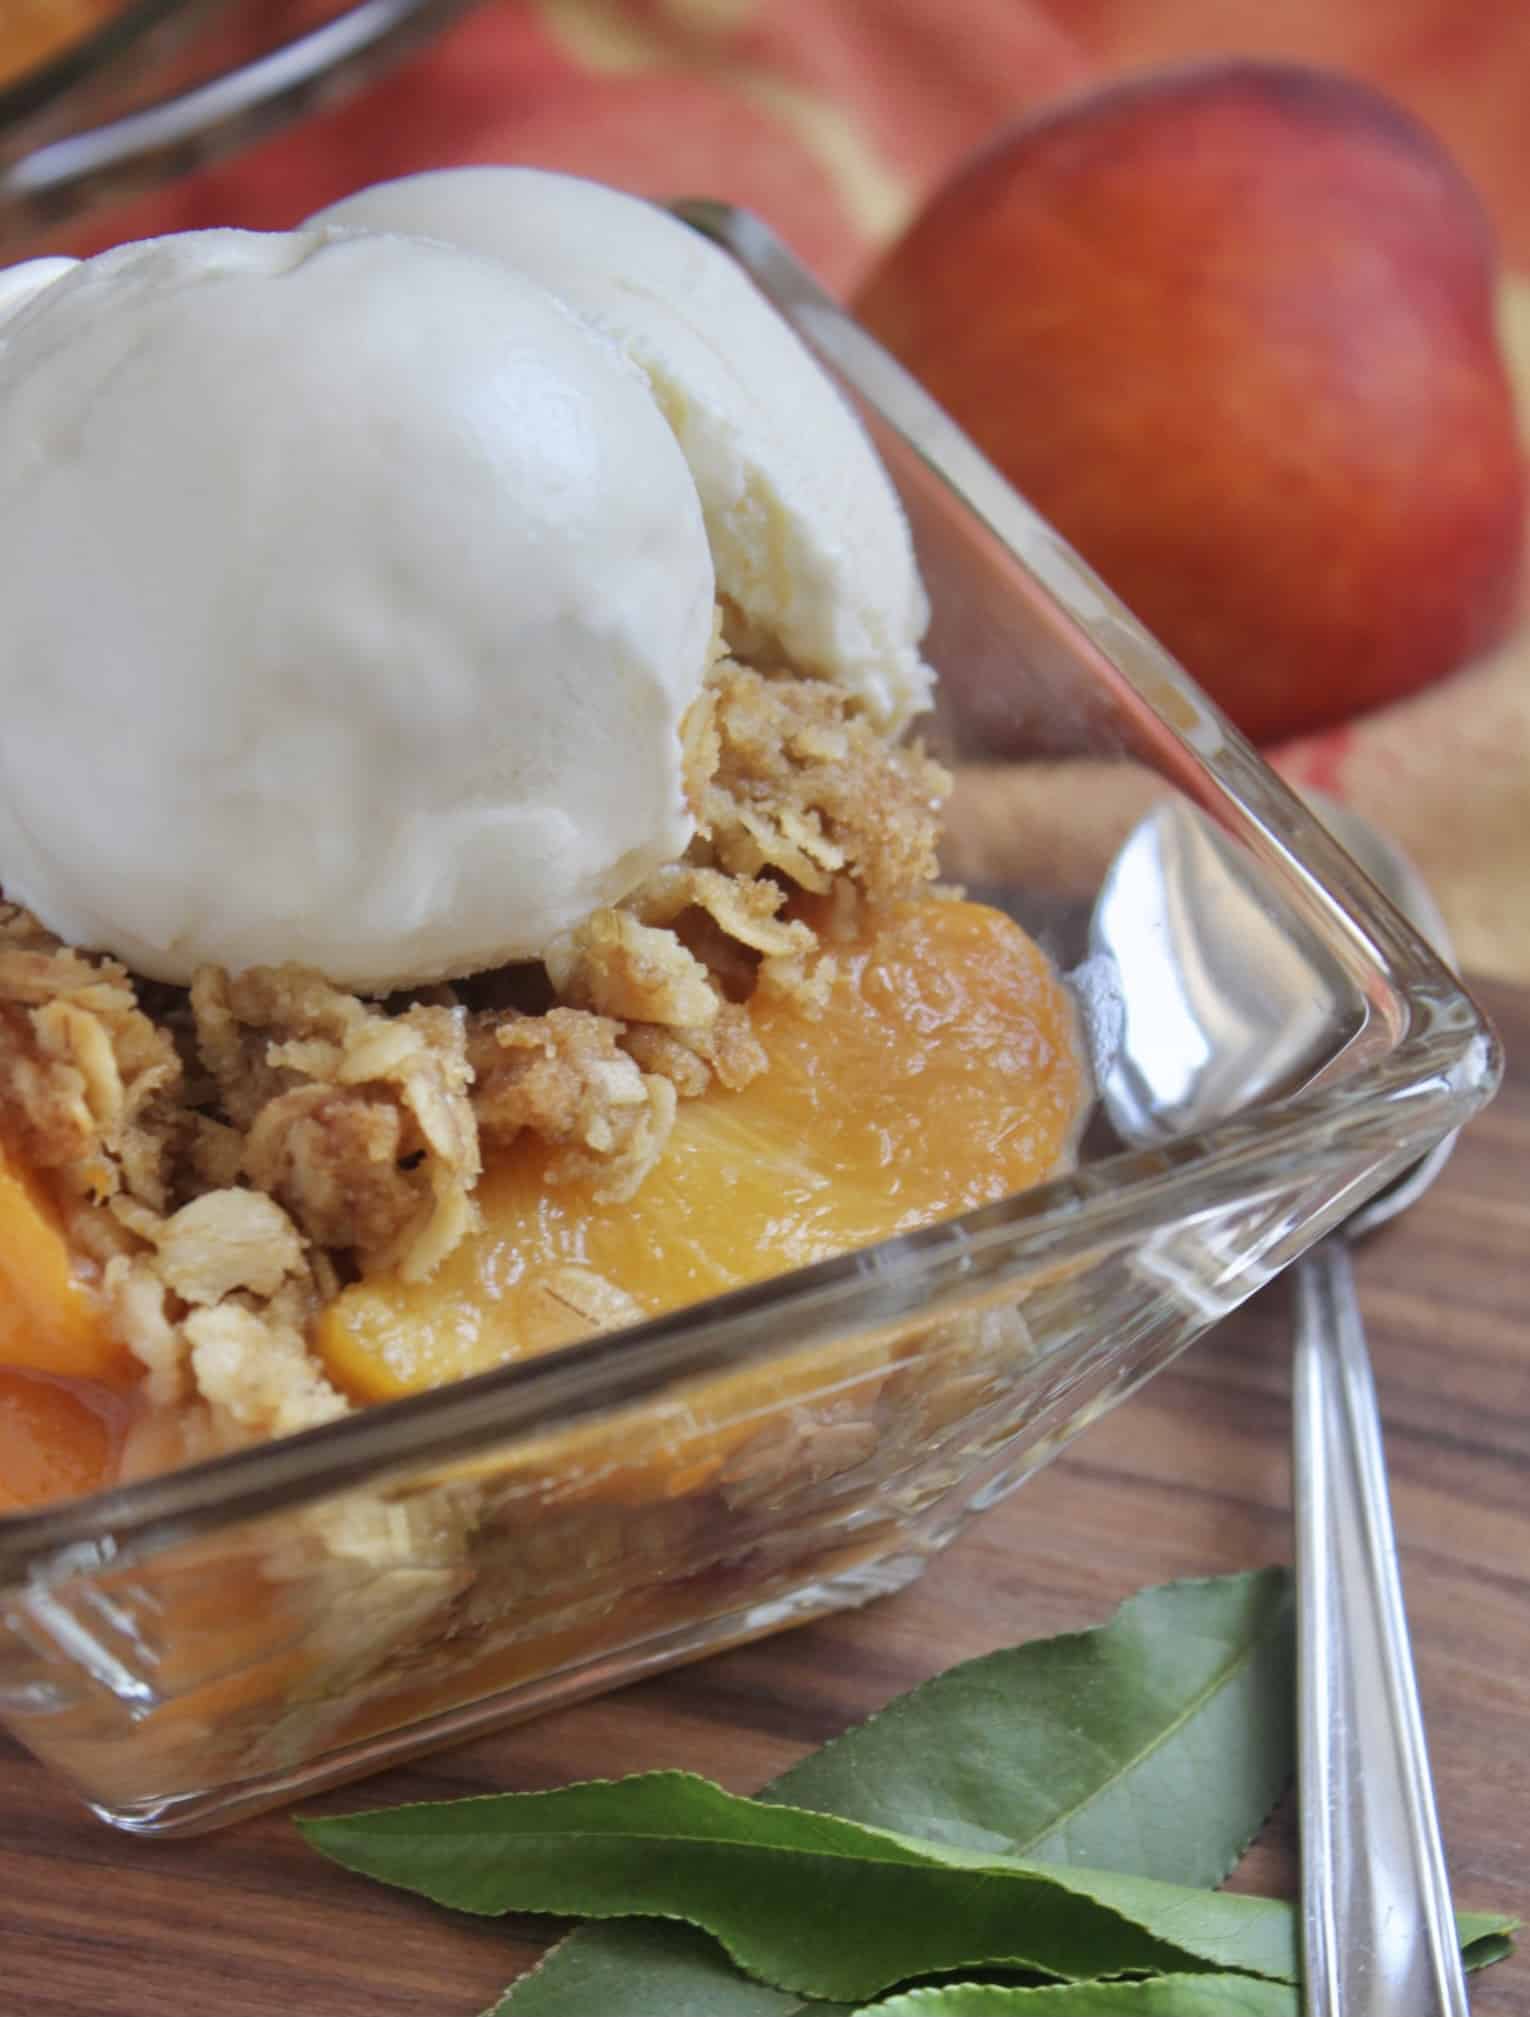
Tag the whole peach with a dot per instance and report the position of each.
(1231, 328)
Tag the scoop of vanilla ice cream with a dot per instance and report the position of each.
(808, 537)
(19, 283)
(354, 592)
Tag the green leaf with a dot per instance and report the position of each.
(1124, 1727)
(1162, 1996)
(1485, 1937)
(1213, 1657)
(806, 1901)
(1482, 1939)
(648, 1968)
(1158, 1742)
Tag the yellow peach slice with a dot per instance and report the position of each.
(944, 1073)
(49, 1319)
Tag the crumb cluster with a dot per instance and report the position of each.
(230, 1155)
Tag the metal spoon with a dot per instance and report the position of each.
(1206, 1024)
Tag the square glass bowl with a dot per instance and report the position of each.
(199, 1645)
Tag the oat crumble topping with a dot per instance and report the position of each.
(231, 1155)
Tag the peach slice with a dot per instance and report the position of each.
(53, 1443)
(49, 1319)
(944, 1073)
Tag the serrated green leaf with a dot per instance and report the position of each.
(1156, 1743)
(671, 1843)
(648, 1968)
(1220, 1652)
(805, 1901)
(1162, 1996)
(1484, 1939)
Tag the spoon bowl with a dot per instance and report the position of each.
(1177, 921)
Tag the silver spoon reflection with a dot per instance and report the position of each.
(1221, 1004)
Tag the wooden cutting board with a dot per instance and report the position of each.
(1189, 1478)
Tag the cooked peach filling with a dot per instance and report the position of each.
(940, 1074)
(243, 1209)
(50, 1320)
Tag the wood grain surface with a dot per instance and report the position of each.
(1189, 1478)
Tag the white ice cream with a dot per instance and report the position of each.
(18, 284)
(808, 538)
(353, 590)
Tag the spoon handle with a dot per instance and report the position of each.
(1378, 1932)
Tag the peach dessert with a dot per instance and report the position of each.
(470, 885)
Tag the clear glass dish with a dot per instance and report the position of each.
(200, 1645)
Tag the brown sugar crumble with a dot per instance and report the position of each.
(231, 1155)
